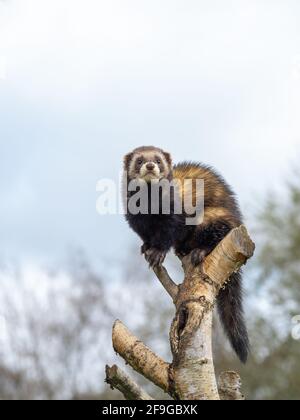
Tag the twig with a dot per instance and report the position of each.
(118, 379)
(169, 285)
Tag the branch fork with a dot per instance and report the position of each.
(191, 375)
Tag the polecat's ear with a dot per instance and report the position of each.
(127, 160)
(168, 158)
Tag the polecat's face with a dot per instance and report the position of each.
(149, 164)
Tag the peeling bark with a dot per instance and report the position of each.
(194, 375)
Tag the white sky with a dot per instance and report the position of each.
(86, 81)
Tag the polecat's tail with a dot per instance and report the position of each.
(230, 308)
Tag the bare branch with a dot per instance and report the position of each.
(169, 285)
(139, 356)
(230, 386)
(118, 379)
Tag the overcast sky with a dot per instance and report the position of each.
(83, 82)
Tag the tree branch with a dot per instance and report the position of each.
(140, 357)
(229, 255)
(191, 376)
(230, 386)
(191, 331)
(118, 379)
(169, 285)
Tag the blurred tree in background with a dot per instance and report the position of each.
(273, 372)
(56, 343)
(53, 335)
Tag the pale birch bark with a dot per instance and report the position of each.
(191, 375)
(191, 331)
(139, 356)
(118, 379)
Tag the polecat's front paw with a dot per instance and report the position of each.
(198, 256)
(155, 257)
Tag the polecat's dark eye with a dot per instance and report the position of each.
(158, 161)
(140, 161)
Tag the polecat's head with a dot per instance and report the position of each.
(148, 163)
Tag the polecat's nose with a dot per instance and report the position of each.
(150, 166)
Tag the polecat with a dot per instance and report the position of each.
(160, 231)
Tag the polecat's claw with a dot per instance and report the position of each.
(155, 257)
(198, 256)
(144, 248)
(179, 254)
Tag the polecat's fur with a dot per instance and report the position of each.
(160, 232)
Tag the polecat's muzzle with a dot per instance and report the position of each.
(150, 166)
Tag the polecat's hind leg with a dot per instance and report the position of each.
(207, 238)
(197, 256)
